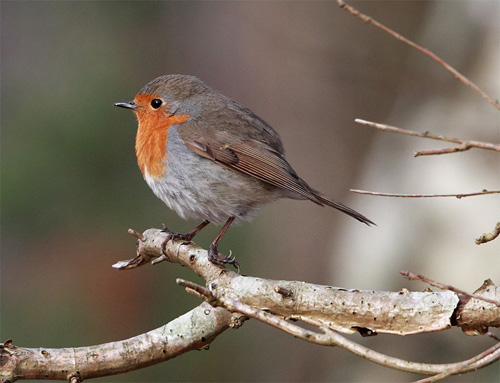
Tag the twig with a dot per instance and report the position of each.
(459, 148)
(461, 366)
(458, 75)
(494, 336)
(421, 278)
(136, 234)
(283, 291)
(460, 195)
(462, 144)
(489, 236)
(330, 338)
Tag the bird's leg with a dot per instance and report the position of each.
(185, 237)
(188, 236)
(214, 256)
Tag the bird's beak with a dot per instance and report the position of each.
(127, 105)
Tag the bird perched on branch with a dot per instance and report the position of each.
(208, 157)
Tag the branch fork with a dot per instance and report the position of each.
(231, 298)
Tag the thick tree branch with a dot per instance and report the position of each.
(487, 283)
(343, 310)
(327, 337)
(272, 301)
(339, 309)
(191, 331)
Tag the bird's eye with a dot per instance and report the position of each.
(156, 103)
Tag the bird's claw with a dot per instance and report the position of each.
(220, 259)
(188, 237)
(171, 236)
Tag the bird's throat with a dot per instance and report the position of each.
(151, 141)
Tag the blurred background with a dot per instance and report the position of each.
(71, 186)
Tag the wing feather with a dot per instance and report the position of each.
(258, 160)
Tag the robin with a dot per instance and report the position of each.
(208, 157)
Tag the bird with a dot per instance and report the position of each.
(210, 158)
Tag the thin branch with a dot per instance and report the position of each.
(462, 144)
(462, 365)
(489, 236)
(328, 337)
(285, 292)
(136, 234)
(455, 149)
(417, 277)
(458, 75)
(494, 336)
(460, 195)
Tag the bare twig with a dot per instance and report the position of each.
(458, 75)
(285, 292)
(421, 278)
(462, 365)
(459, 148)
(136, 234)
(489, 236)
(460, 195)
(462, 144)
(493, 336)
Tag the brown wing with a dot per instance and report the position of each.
(264, 163)
(258, 160)
(260, 155)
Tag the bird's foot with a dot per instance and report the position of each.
(176, 236)
(184, 237)
(172, 236)
(220, 259)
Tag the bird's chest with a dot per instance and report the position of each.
(152, 139)
(151, 145)
(169, 168)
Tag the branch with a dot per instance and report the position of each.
(460, 195)
(343, 310)
(328, 337)
(462, 144)
(194, 330)
(471, 305)
(272, 301)
(489, 236)
(421, 278)
(485, 358)
(458, 75)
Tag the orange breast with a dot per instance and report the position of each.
(151, 140)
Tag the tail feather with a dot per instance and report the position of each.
(307, 192)
(337, 205)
